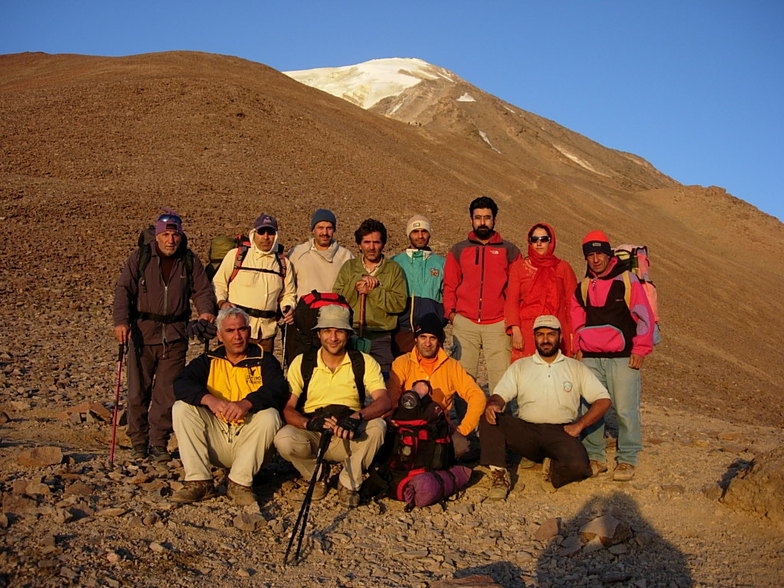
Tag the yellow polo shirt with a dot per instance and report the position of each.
(327, 387)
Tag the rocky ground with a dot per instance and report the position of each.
(71, 518)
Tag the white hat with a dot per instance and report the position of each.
(547, 321)
(417, 222)
(334, 316)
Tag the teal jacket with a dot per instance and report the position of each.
(425, 285)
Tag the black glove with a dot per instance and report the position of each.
(350, 424)
(316, 423)
(201, 329)
(190, 329)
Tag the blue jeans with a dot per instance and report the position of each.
(623, 384)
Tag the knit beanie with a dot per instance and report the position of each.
(431, 325)
(596, 242)
(417, 222)
(323, 215)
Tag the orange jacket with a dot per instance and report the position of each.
(447, 378)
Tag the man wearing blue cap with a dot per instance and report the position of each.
(317, 261)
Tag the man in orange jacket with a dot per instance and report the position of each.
(429, 361)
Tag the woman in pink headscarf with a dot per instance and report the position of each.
(539, 284)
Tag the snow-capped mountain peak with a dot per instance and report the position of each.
(367, 83)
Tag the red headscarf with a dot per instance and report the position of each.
(544, 296)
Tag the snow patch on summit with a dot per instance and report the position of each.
(367, 83)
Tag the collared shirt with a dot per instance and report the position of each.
(327, 387)
(549, 392)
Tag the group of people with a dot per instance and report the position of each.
(563, 351)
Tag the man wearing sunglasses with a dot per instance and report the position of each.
(151, 309)
(257, 278)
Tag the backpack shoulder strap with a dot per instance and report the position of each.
(358, 367)
(627, 289)
(142, 261)
(583, 298)
(239, 257)
(189, 261)
(306, 369)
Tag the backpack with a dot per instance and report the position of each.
(145, 244)
(417, 462)
(300, 337)
(309, 363)
(222, 244)
(634, 259)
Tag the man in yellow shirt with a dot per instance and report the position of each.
(227, 412)
(327, 394)
(428, 361)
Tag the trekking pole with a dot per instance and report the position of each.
(285, 328)
(304, 511)
(120, 355)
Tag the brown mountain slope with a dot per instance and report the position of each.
(92, 146)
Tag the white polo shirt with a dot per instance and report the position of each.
(549, 392)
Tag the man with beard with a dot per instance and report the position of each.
(548, 388)
(428, 361)
(475, 278)
(425, 281)
(382, 285)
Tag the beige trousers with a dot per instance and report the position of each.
(299, 446)
(205, 441)
(469, 337)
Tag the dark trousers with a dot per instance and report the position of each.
(534, 441)
(151, 373)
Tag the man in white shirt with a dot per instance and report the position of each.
(548, 387)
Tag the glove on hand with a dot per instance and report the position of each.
(350, 424)
(210, 330)
(191, 329)
(316, 423)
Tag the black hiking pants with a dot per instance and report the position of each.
(535, 441)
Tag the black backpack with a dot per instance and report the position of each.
(418, 441)
(300, 337)
(309, 363)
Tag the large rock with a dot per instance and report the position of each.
(759, 489)
(40, 457)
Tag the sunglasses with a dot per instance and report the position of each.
(542, 239)
(169, 218)
(266, 231)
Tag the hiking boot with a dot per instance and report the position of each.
(526, 463)
(160, 454)
(194, 492)
(242, 495)
(597, 467)
(321, 488)
(139, 452)
(499, 484)
(546, 469)
(347, 496)
(623, 472)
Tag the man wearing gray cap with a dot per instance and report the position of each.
(424, 272)
(328, 387)
(257, 279)
(317, 261)
(548, 388)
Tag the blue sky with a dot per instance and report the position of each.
(693, 86)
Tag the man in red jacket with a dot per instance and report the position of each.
(475, 277)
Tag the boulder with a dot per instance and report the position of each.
(759, 489)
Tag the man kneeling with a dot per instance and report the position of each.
(548, 387)
(327, 394)
(227, 412)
